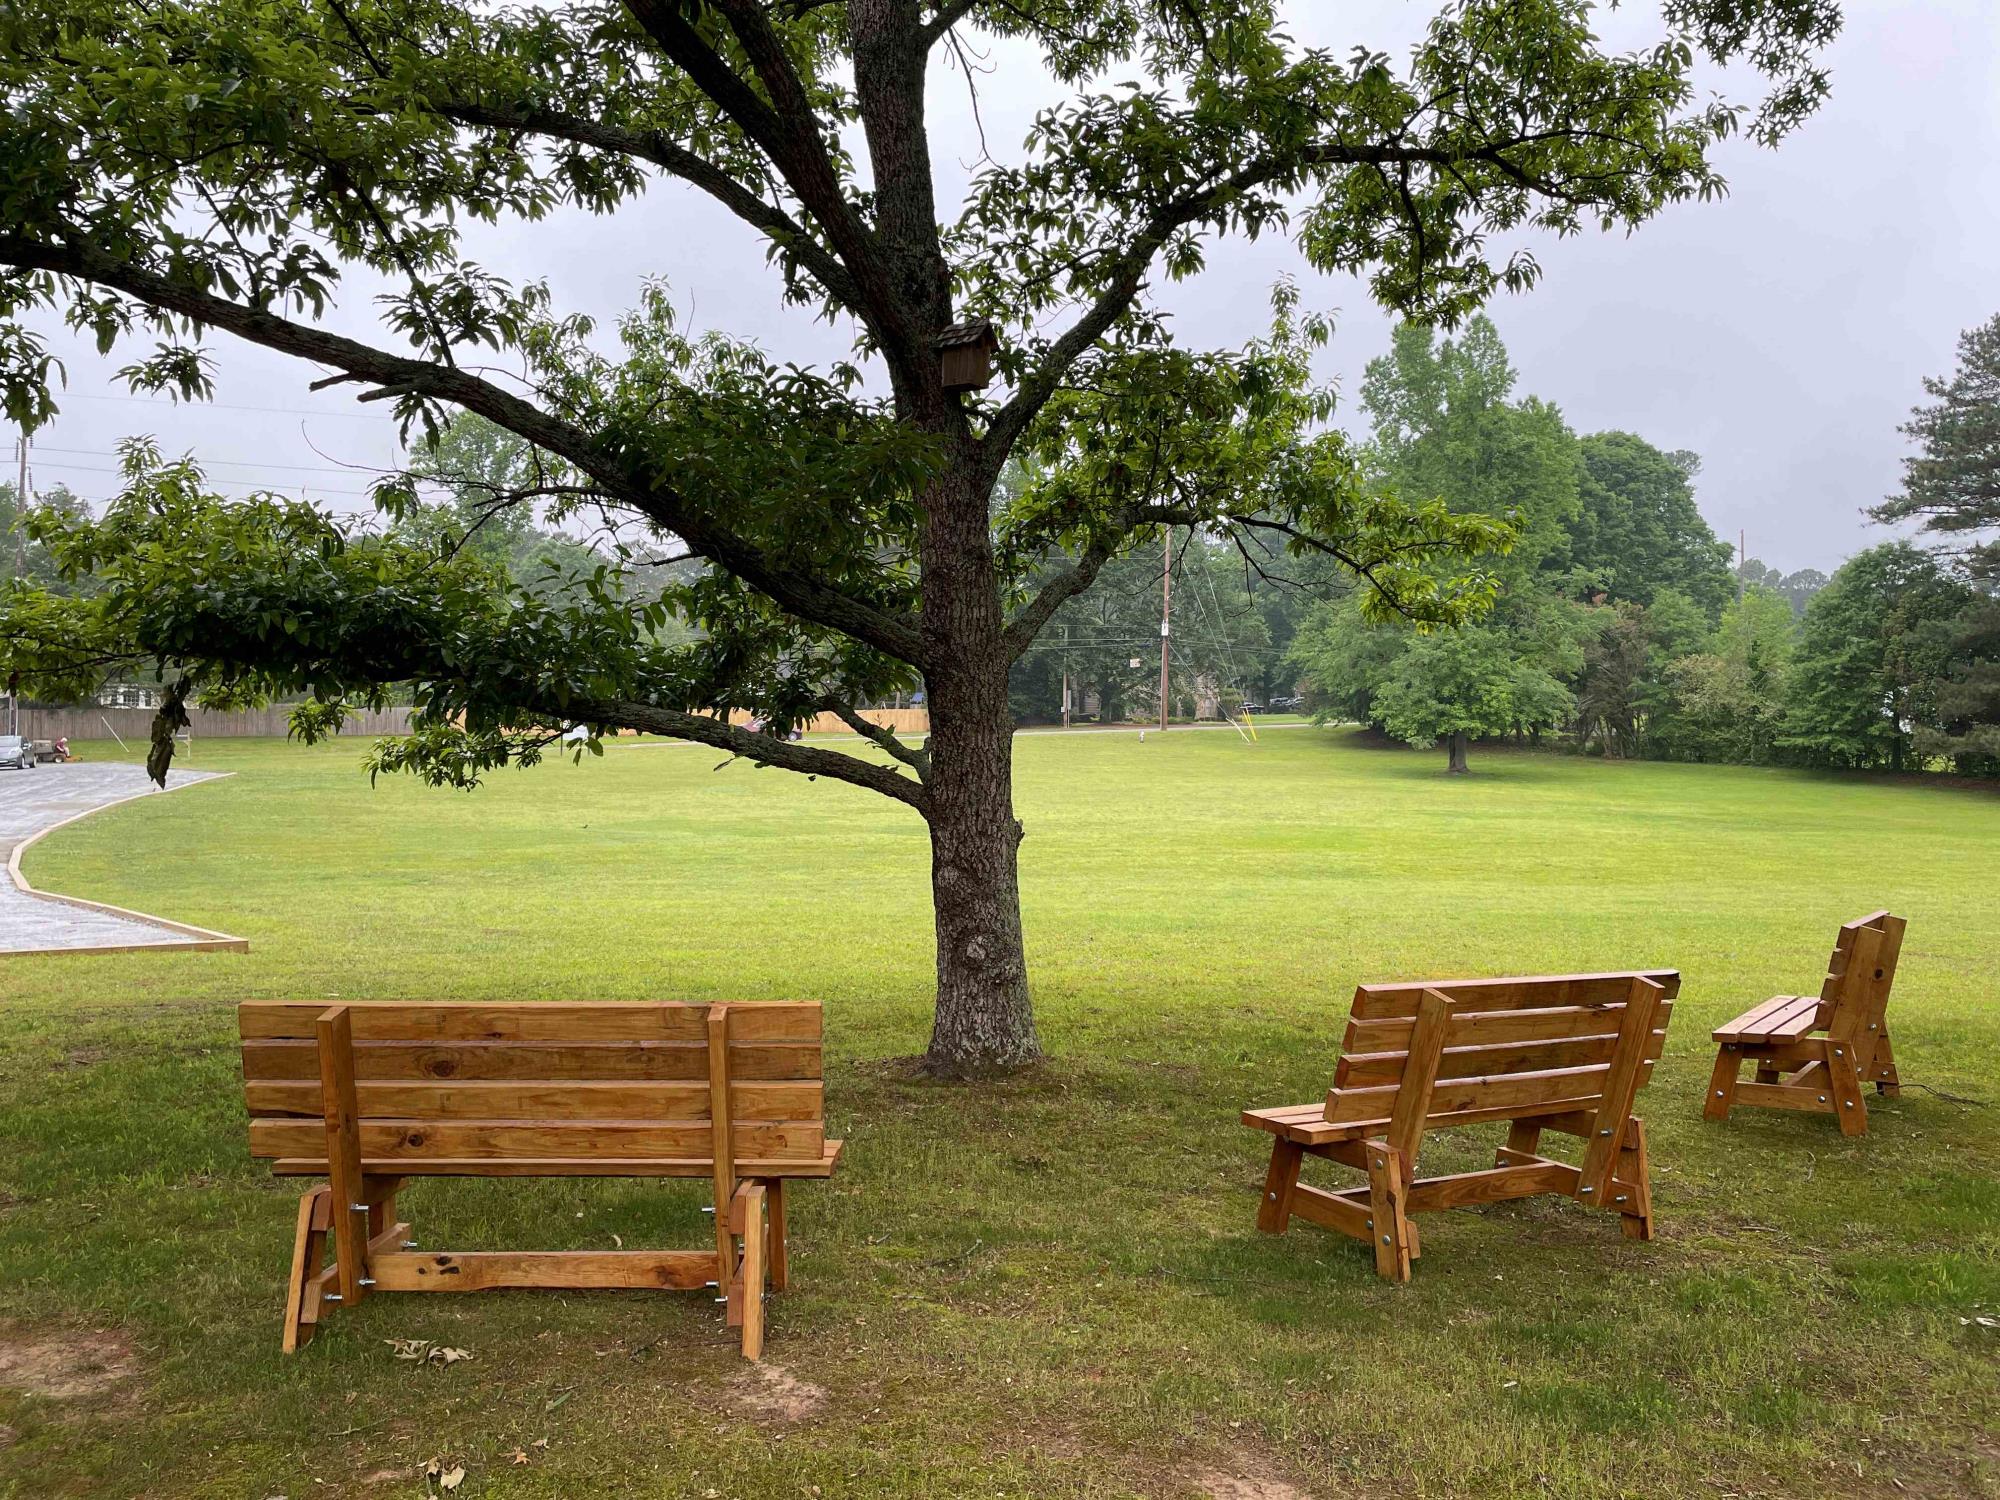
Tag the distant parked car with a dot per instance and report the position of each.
(16, 754)
(1252, 708)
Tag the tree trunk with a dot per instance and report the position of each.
(985, 1021)
(1455, 751)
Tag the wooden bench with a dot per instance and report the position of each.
(1564, 1053)
(370, 1095)
(1819, 1052)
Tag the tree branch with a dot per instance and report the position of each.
(669, 156)
(808, 760)
(918, 760)
(809, 598)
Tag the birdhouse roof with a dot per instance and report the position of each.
(965, 335)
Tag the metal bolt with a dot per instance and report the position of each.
(1371, 1223)
(1718, 1093)
(708, 1210)
(1619, 1199)
(720, 1300)
(332, 1296)
(1385, 1239)
(1586, 1190)
(1822, 1098)
(1871, 1025)
(360, 1208)
(711, 1283)
(409, 1244)
(1272, 1196)
(1604, 1132)
(1838, 1053)
(368, 1281)
(1850, 1104)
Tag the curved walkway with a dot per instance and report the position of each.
(36, 802)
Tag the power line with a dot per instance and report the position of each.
(282, 411)
(229, 463)
(221, 479)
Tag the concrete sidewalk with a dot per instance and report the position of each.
(32, 803)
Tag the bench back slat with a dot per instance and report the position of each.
(464, 1084)
(1861, 970)
(1515, 1047)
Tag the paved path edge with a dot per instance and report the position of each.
(193, 939)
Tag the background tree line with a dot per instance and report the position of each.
(1620, 626)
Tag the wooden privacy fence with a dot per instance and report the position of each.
(135, 725)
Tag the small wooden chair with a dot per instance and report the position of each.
(1565, 1053)
(1819, 1053)
(370, 1095)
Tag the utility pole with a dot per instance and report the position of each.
(1065, 676)
(1166, 618)
(21, 511)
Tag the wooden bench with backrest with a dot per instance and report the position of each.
(1819, 1052)
(371, 1094)
(1566, 1053)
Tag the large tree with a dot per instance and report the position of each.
(1637, 527)
(1874, 653)
(180, 167)
(1444, 425)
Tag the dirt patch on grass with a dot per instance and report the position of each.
(64, 1366)
(1244, 1476)
(771, 1395)
(84, 1057)
(8, 1436)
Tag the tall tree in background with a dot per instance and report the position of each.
(23, 558)
(178, 167)
(1445, 425)
(1952, 482)
(1637, 528)
(1873, 654)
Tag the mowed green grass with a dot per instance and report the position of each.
(1048, 1286)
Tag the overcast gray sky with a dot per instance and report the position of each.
(1781, 333)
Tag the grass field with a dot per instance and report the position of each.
(1049, 1286)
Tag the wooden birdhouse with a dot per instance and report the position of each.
(967, 351)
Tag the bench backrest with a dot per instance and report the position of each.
(1855, 994)
(467, 1088)
(1513, 1048)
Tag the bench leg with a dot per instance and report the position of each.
(1722, 1082)
(750, 1286)
(308, 1251)
(1636, 1171)
(1386, 1200)
(1888, 1082)
(1274, 1212)
(774, 1208)
(1846, 1097)
(1524, 1137)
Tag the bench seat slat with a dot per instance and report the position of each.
(544, 1021)
(416, 1141)
(277, 1058)
(542, 1099)
(1782, 1018)
(1460, 1096)
(529, 1166)
(1307, 1123)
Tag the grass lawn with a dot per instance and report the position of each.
(1050, 1286)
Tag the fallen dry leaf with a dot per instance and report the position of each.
(452, 1478)
(518, 1456)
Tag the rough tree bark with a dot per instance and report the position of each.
(1455, 753)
